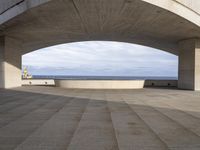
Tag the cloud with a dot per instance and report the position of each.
(101, 58)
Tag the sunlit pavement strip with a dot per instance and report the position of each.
(48, 118)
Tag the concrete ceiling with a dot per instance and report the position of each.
(134, 21)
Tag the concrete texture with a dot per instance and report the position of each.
(41, 82)
(12, 8)
(34, 24)
(189, 64)
(10, 57)
(161, 83)
(113, 84)
(146, 22)
(100, 84)
(60, 119)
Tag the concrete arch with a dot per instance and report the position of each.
(165, 25)
(184, 8)
(159, 24)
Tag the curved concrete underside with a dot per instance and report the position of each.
(158, 24)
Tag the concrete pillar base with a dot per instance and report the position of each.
(189, 64)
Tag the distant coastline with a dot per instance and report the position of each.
(62, 77)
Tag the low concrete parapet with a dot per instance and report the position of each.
(39, 82)
(114, 84)
(161, 83)
(101, 84)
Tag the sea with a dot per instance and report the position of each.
(61, 77)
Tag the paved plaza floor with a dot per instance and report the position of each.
(49, 118)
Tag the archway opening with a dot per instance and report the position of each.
(101, 64)
(101, 59)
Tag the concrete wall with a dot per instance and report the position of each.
(10, 60)
(114, 84)
(46, 82)
(161, 83)
(189, 64)
(100, 84)
(2, 48)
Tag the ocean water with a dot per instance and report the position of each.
(104, 77)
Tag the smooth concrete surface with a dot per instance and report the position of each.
(2, 48)
(48, 82)
(192, 4)
(113, 84)
(10, 59)
(146, 22)
(12, 8)
(100, 84)
(184, 8)
(161, 83)
(49, 118)
(189, 64)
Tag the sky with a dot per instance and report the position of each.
(100, 58)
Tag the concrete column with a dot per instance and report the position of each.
(10, 62)
(189, 64)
